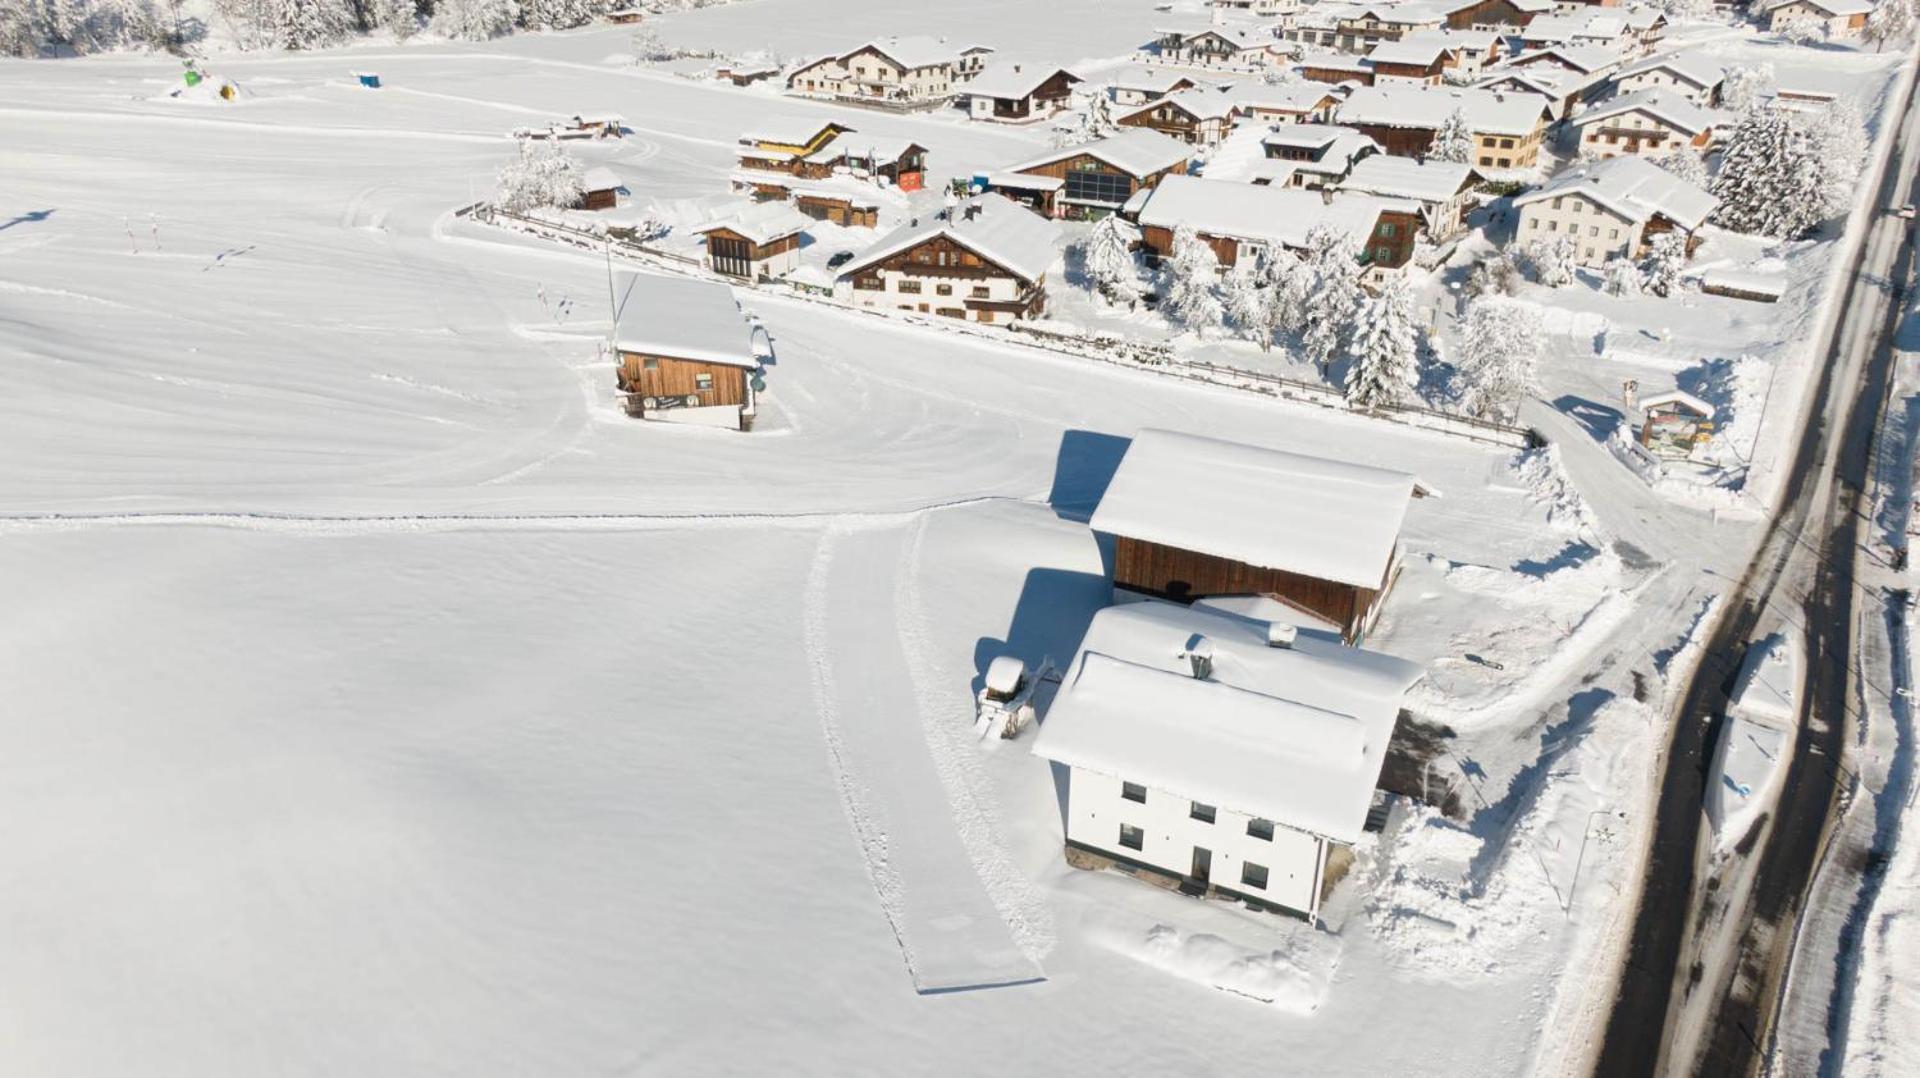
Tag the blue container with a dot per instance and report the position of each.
(368, 79)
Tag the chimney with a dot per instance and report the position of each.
(1016, 69)
(1200, 657)
(1281, 635)
(972, 211)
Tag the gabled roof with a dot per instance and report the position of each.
(1296, 735)
(1632, 187)
(1138, 153)
(681, 318)
(1428, 107)
(999, 230)
(1590, 25)
(1839, 8)
(1680, 397)
(791, 132)
(1256, 213)
(1403, 177)
(1414, 53)
(1701, 71)
(853, 144)
(1585, 59)
(761, 222)
(1664, 105)
(1011, 80)
(1199, 104)
(1153, 80)
(1331, 520)
(601, 179)
(913, 51)
(1284, 97)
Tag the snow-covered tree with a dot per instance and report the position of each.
(1454, 141)
(1192, 273)
(1685, 164)
(1499, 276)
(1500, 345)
(1089, 118)
(1769, 177)
(1666, 260)
(1109, 256)
(1838, 142)
(1622, 277)
(1385, 349)
(541, 174)
(1552, 261)
(472, 20)
(20, 31)
(1676, 10)
(1745, 85)
(648, 48)
(312, 24)
(1291, 281)
(1333, 258)
(1888, 21)
(401, 18)
(557, 14)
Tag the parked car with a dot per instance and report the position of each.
(840, 258)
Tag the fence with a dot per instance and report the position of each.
(1109, 348)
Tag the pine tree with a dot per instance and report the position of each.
(1191, 276)
(21, 32)
(1109, 256)
(1500, 346)
(1385, 349)
(1770, 177)
(1622, 277)
(1291, 281)
(1499, 276)
(1454, 141)
(1333, 258)
(1745, 85)
(311, 24)
(1838, 144)
(401, 18)
(472, 20)
(1247, 299)
(1666, 260)
(555, 14)
(542, 174)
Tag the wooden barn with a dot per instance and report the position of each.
(759, 242)
(1201, 117)
(850, 205)
(1199, 518)
(685, 351)
(1097, 178)
(602, 190)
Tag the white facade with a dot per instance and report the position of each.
(1846, 23)
(1598, 233)
(1635, 132)
(1660, 78)
(1284, 870)
(945, 296)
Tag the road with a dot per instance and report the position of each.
(1710, 943)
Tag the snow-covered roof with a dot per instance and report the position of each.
(790, 132)
(1199, 104)
(1296, 735)
(1585, 59)
(1756, 282)
(762, 222)
(1404, 177)
(1666, 106)
(913, 51)
(1331, 520)
(1152, 80)
(1013, 80)
(1677, 396)
(1633, 187)
(1333, 61)
(1575, 27)
(1841, 7)
(1413, 51)
(853, 144)
(1256, 213)
(1023, 181)
(600, 179)
(1702, 71)
(1472, 40)
(1139, 153)
(1285, 97)
(999, 230)
(681, 318)
(1427, 107)
(1768, 688)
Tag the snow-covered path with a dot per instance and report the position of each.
(952, 936)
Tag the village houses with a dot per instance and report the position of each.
(1139, 84)
(1287, 102)
(1239, 220)
(1441, 189)
(1231, 756)
(1612, 209)
(759, 241)
(1093, 178)
(685, 351)
(1216, 45)
(1833, 18)
(1692, 76)
(1651, 123)
(1311, 156)
(1012, 92)
(902, 71)
(1199, 117)
(984, 259)
(1507, 128)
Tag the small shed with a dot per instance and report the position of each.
(685, 351)
(368, 79)
(1196, 517)
(759, 242)
(1744, 284)
(602, 190)
(1675, 423)
(625, 16)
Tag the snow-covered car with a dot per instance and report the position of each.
(1005, 703)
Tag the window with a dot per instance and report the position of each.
(909, 286)
(1506, 162)
(943, 289)
(1133, 791)
(1260, 829)
(1253, 875)
(1203, 813)
(1593, 231)
(870, 284)
(651, 363)
(981, 291)
(1386, 231)
(1533, 224)
(1132, 837)
(1506, 144)
(1613, 233)
(703, 382)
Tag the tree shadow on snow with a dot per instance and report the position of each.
(1573, 554)
(1082, 468)
(1601, 420)
(1493, 824)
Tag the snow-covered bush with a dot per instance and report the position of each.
(1666, 260)
(557, 14)
(401, 18)
(1089, 118)
(472, 20)
(1621, 277)
(33, 27)
(1192, 272)
(542, 174)
(1498, 276)
(1109, 260)
(311, 24)
(1552, 261)
(1500, 345)
(1454, 141)
(1838, 139)
(1291, 281)
(1385, 349)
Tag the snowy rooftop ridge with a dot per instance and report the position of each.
(1261, 213)
(1139, 153)
(1327, 519)
(991, 226)
(1486, 111)
(681, 318)
(1670, 108)
(1404, 177)
(1296, 734)
(1701, 70)
(1200, 104)
(762, 222)
(1633, 187)
(1012, 79)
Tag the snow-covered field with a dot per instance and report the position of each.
(385, 701)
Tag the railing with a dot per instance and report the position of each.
(1108, 348)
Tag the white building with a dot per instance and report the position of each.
(983, 260)
(1234, 754)
(1652, 123)
(1439, 188)
(901, 70)
(1834, 18)
(1693, 76)
(1612, 208)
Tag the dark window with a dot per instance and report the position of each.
(1253, 875)
(1261, 829)
(909, 286)
(651, 363)
(1107, 187)
(1132, 837)
(981, 291)
(871, 284)
(703, 382)
(1203, 813)
(1386, 231)
(1133, 791)
(943, 289)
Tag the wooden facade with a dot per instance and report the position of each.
(1183, 576)
(940, 276)
(735, 255)
(1399, 141)
(1169, 118)
(671, 383)
(1050, 96)
(604, 199)
(840, 211)
(1091, 171)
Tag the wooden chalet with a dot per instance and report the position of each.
(1137, 87)
(983, 260)
(1094, 178)
(849, 205)
(1016, 92)
(601, 190)
(625, 16)
(1199, 518)
(1238, 220)
(1293, 102)
(1199, 117)
(758, 243)
(685, 351)
(1416, 60)
(1507, 129)
(1336, 69)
